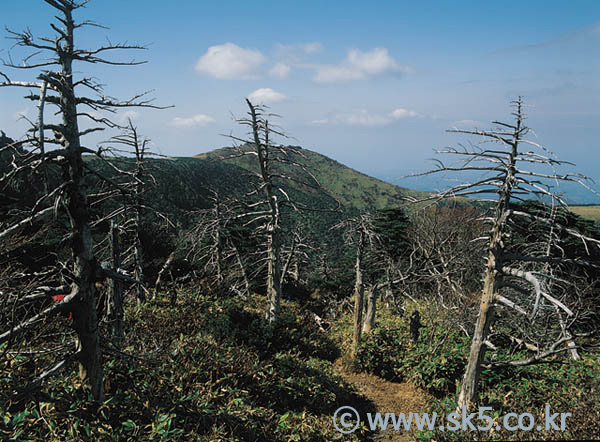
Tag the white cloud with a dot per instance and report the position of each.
(374, 62)
(312, 47)
(196, 120)
(266, 95)
(362, 117)
(128, 115)
(403, 113)
(355, 118)
(229, 61)
(467, 124)
(360, 65)
(335, 74)
(280, 70)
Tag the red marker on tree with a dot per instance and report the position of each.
(58, 298)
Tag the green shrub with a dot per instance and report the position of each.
(209, 369)
(434, 363)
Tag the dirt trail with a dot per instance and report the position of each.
(388, 397)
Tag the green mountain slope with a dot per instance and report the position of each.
(348, 186)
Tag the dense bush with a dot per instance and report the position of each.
(434, 363)
(567, 387)
(208, 369)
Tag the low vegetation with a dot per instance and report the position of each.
(243, 294)
(208, 368)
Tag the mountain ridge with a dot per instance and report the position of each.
(349, 186)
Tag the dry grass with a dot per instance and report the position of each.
(590, 212)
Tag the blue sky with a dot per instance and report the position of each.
(371, 84)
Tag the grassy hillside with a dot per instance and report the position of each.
(183, 185)
(590, 212)
(349, 186)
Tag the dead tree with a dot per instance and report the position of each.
(504, 163)
(369, 322)
(114, 298)
(446, 250)
(210, 244)
(263, 205)
(166, 268)
(59, 86)
(295, 254)
(359, 232)
(134, 177)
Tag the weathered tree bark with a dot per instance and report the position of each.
(114, 310)
(138, 250)
(571, 342)
(371, 309)
(493, 277)
(273, 277)
(57, 88)
(40, 128)
(295, 271)
(218, 242)
(85, 319)
(359, 290)
(291, 257)
(242, 266)
(388, 288)
(164, 268)
(551, 239)
(273, 229)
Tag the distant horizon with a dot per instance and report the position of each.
(373, 86)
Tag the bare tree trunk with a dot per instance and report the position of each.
(85, 319)
(273, 276)
(139, 260)
(164, 268)
(493, 275)
(388, 288)
(468, 390)
(570, 343)
(551, 238)
(139, 188)
(242, 269)
(114, 301)
(359, 290)
(72, 193)
(138, 251)
(219, 257)
(218, 242)
(291, 257)
(273, 240)
(371, 309)
(40, 128)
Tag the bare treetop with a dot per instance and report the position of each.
(501, 148)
